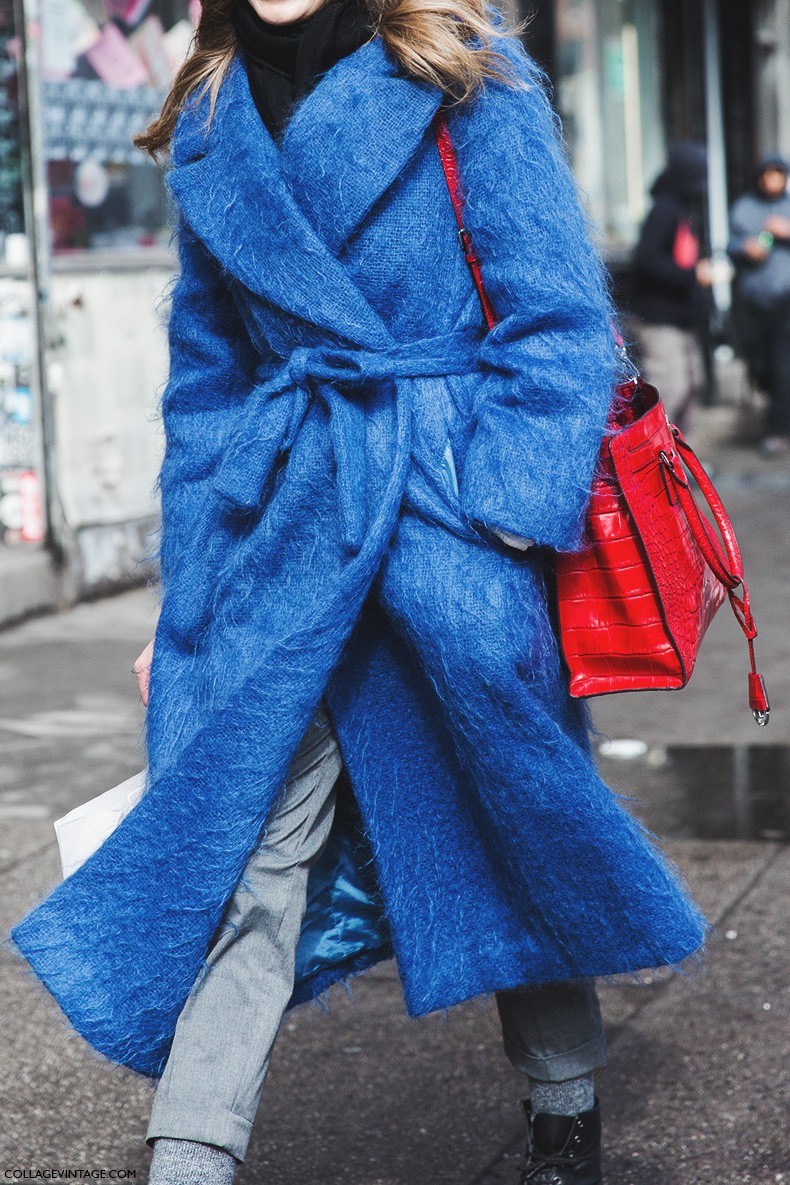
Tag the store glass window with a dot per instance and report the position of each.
(608, 90)
(106, 66)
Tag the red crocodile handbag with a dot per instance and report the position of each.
(634, 605)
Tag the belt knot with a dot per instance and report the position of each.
(275, 409)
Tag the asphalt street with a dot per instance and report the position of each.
(698, 1089)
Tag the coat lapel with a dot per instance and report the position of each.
(351, 137)
(274, 217)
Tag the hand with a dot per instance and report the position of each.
(705, 273)
(141, 669)
(778, 226)
(755, 251)
(516, 541)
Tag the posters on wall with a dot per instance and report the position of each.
(126, 42)
(21, 508)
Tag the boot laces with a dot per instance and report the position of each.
(545, 1169)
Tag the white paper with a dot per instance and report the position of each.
(85, 829)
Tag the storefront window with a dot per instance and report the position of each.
(106, 66)
(609, 95)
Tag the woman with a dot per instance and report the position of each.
(355, 470)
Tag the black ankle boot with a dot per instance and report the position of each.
(563, 1149)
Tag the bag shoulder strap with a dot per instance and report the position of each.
(452, 176)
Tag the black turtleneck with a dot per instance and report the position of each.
(285, 61)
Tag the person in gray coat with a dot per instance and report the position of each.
(760, 247)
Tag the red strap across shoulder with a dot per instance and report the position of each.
(450, 165)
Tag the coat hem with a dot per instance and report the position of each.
(681, 964)
(320, 981)
(145, 1066)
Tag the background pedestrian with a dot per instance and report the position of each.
(666, 299)
(760, 247)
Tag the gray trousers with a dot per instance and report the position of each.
(671, 359)
(212, 1083)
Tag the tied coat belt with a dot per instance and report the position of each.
(337, 377)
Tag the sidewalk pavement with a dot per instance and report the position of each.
(698, 1090)
(29, 583)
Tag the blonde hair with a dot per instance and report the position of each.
(443, 42)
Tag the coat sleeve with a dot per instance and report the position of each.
(742, 227)
(207, 374)
(551, 361)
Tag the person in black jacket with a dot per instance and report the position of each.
(668, 278)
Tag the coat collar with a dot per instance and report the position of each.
(276, 218)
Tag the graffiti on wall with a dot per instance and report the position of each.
(21, 510)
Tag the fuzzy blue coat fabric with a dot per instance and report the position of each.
(337, 422)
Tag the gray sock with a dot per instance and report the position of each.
(563, 1098)
(186, 1162)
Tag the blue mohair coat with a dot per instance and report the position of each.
(337, 420)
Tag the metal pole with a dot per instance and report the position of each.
(59, 539)
(782, 78)
(718, 207)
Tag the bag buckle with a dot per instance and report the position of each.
(670, 460)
